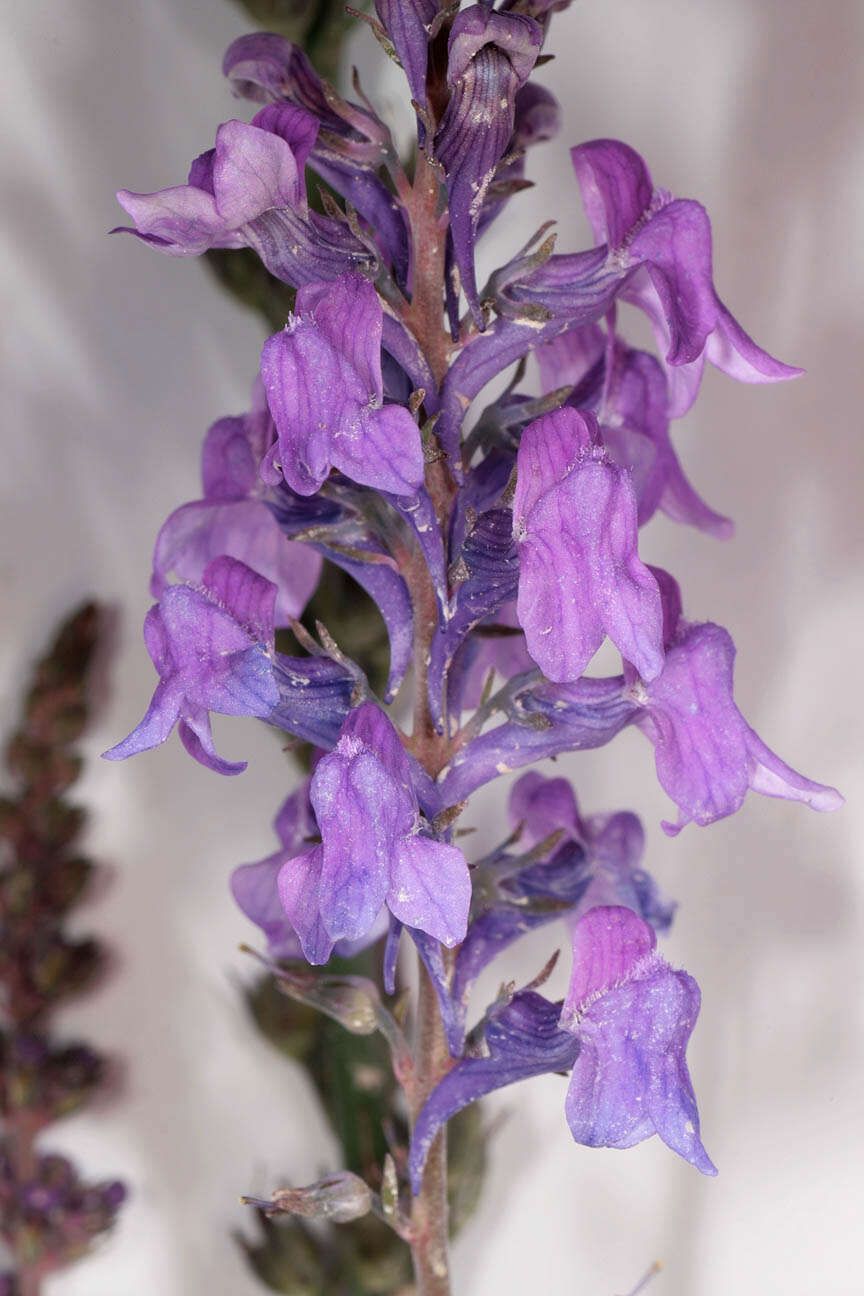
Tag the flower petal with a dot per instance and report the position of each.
(430, 888)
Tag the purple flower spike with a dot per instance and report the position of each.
(322, 375)
(664, 244)
(633, 1016)
(252, 169)
(707, 755)
(212, 647)
(371, 849)
(574, 518)
(490, 56)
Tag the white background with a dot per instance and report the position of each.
(115, 362)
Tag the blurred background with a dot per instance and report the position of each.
(115, 362)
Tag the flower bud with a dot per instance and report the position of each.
(340, 1198)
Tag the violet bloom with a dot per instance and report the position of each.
(580, 578)
(633, 1016)
(623, 1029)
(628, 392)
(707, 756)
(322, 375)
(490, 56)
(664, 243)
(372, 849)
(407, 23)
(234, 519)
(255, 887)
(254, 168)
(614, 845)
(213, 648)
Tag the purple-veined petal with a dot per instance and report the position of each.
(616, 188)
(182, 221)
(299, 885)
(407, 23)
(580, 574)
(322, 376)
(363, 812)
(314, 697)
(301, 247)
(706, 754)
(348, 314)
(246, 595)
(543, 806)
(156, 726)
(197, 533)
(610, 944)
(633, 1016)
(229, 468)
(664, 245)
(255, 888)
(430, 888)
(490, 55)
(542, 720)
(253, 170)
(297, 127)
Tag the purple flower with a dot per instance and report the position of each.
(633, 1016)
(490, 56)
(212, 647)
(628, 392)
(234, 519)
(537, 118)
(372, 851)
(348, 150)
(664, 245)
(255, 887)
(521, 1039)
(322, 375)
(407, 24)
(252, 169)
(623, 1028)
(613, 843)
(707, 756)
(580, 578)
(542, 720)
